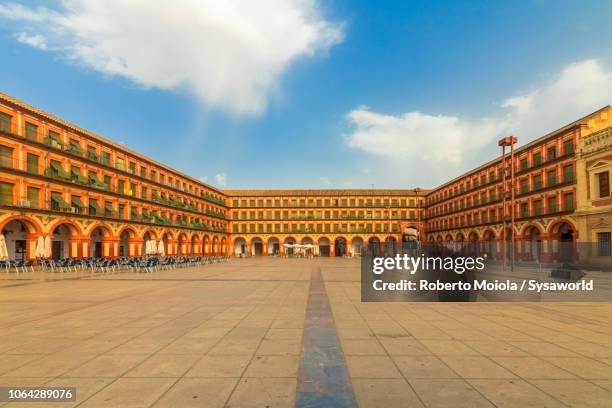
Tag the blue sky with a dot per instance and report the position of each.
(342, 94)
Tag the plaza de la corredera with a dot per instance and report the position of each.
(89, 197)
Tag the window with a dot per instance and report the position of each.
(77, 204)
(537, 207)
(31, 131)
(33, 196)
(75, 175)
(94, 207)
(56, 170)
(524, 185)
(552, 178)
(92, 154)
(537, 159)
(537, 182)
(58, 203)
(603, 181)
(604, 243)
(132, 168)
(568, 146)
(6, 156)
(120, 163)
(105, 158)
(54, 139)
(75, 147)
(523, 164)
(569, 201)
(32, 163)
(551, 153)
(552, 205)
(568, 173)
(107, 182)
(5, 122)
(6, 193)
(524, 210)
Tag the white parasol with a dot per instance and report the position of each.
(40, 247)
(147, 246)
(161, 249)
(3, 249)
(47, 253)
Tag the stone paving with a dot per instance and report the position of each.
(231, 335)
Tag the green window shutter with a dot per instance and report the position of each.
(109, 210)
(53, 139)
(568, 173)
(31, 132)
(6, 193)
(33, 196)
(569, 202)
(32, 163)
(75, 148)
(94, 207)
(91, 153)
(77, 176)
(537, 182)
(93, 180)
(6, 157)
(58, 170)
(76, 202)
(5, 122)
(59, 202)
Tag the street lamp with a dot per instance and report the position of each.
(508, 141)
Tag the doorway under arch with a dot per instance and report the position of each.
(15, 232)
(340, 246)
(324, 248)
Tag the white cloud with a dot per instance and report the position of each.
(230, 54)
(436, 147)
(203, 179)
(221, 179)
(36, 41)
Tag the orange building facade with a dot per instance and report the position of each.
(336, 222)
(95, 198)
(548, 175)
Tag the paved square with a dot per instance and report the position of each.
(231, 334)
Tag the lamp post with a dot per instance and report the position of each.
(508, 141)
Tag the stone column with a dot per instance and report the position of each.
(135, 246)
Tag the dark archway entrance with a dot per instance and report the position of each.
(340, 246)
